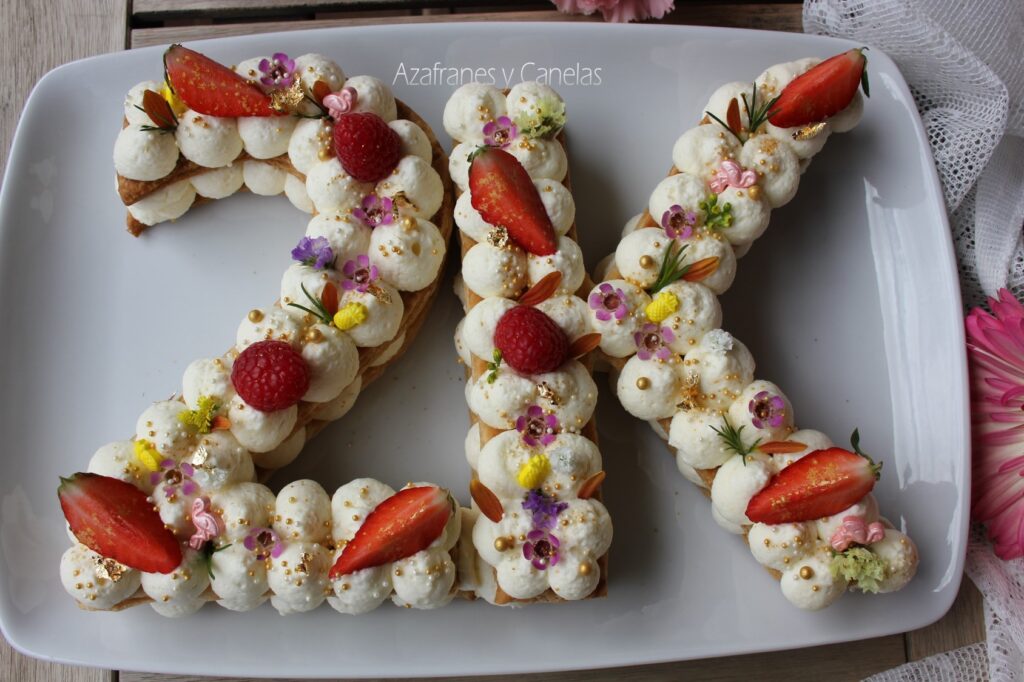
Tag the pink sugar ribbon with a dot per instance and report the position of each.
(854, 530)
(341, 102)
(208, 525)
(731, 174)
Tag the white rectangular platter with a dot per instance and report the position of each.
(850, 303)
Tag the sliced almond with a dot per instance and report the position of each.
(591, 485)
(542, 290)
(732, 116)
(781, 447)
(329, 297)
(702, 269)
(220, 423)
(584, 345)
(321, 90)
(486, 500)
(158, 110)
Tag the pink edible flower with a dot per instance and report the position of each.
(278, 71)
(995, 345)
(617, 10)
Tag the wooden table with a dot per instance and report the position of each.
(38, 36)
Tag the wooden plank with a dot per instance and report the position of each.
(34, 38)
(842, 662)
(772, 16)
(156, 9)
(38, 36)
(963, 625)
(141, 37)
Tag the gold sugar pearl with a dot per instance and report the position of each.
(585, 569)
(806, 572)
(643, 383)
(314, 335)
(255, 315)
(323, 154)
(501, 544)
(646, 261)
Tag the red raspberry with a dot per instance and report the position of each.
(366, 147)
(530, 341)
(270, 375)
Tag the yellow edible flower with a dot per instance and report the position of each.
(177, 106)
(147, 453)
(663, 305)
(351, 315)
(200, 418)
(534, 471)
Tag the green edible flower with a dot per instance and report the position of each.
(716, 217)
(860, 566)
(545, 121)
(493, 367)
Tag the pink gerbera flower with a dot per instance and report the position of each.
(995, 343)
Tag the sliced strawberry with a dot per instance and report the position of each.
(505, 196)
(116, 520)
(821, 484)
(211, 88)
(405, 523)
(823, 91)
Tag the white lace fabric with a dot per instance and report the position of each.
(964, 62)
(965, 65)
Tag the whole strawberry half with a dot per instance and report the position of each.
(405, 523)
(505, 196)
(116, 520)
(367, 148)
(211, 88)
(270, 375)
(823, 91)
(821, 484)
(530, 341)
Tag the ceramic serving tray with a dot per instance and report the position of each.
(850, 302)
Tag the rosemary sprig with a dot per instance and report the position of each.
(168, 127)
(672, 266)
(733, 439)
(757, 114)
(320, 311)
(208, 551)
(735, 133)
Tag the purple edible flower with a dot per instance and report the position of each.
(265, 542)
(545, 509)
(316, 252)
(500, 133)
(359, 274)
(541, 549)
(608, 301)
(278, 71)
(652, 341)
(767, 410)
(678, 223)
(173, 475)
(375, 211)
(537, 428)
